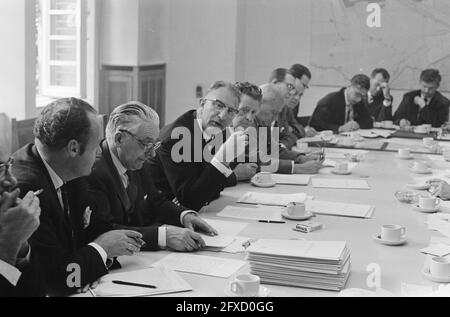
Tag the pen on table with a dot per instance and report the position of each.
(92, 292)
(271, 221)
(133, 284)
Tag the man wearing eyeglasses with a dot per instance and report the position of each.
(19, 219)
(193, 162)
(290, 129)
(122, 191)
(344, 110)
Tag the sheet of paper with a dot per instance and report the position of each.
(220, 241)
(331, 163)
(376, 132)
(271, 199)
(200, 264)
(294, 179)
(339, 209)
(252, 213)
(411, 290)
(439, 240)
(340, 183)
(239, 245)
(331, 151)
(229, 228)
(165, 280)
(439, 222)
(437, 250)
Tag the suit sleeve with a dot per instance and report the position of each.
(192, 189)
(57, 261)
(365, 120)
(321, 119)
(385, 114)
(402, 111)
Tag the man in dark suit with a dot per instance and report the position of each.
(424, 106)
(290, 129)
(122, 191)
(19, 272)
(379, 101)
(344, 110)
(67, 134)
(193, 162)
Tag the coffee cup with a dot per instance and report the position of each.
(420, 166)
(387, 124)
(263, 178)
(440, 267)
(393, 232)
(429, 202)
(341, 166)
(296, 209)
(429, 142)
(404, 152)
(246, 285)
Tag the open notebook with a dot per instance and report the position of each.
(166, 282)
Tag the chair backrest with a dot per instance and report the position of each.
(22, 133)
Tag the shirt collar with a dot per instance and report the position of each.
(117, 163)
(347, 104)
(56, 180)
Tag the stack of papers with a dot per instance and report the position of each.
(200, 264)
(294, 179)
(309, 264)
(340, 183)
(376, 133)
(339, 209)
(164, 280)
(254, 198)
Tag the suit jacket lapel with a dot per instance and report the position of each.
(342, 106)
(118, 185)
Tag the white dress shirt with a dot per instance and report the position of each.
(58, 183)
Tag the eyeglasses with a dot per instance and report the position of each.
(291, 89)
(148, 146)
(221, 106)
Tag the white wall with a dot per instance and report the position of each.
(202, 42)
(17, 57)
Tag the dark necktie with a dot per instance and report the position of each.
(66, 208)
(132, 194)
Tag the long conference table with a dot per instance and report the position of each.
(399, 264)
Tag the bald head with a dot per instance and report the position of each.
(271, 105)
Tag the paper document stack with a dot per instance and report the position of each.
(309, 264)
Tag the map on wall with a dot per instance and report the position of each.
(414, 35)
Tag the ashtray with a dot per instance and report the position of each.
(407, 197)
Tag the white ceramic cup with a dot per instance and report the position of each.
(440, 267)
(420, 166)
(263, 178)
(393, 233)
(387, 124)
(296, 209)
(429, 202)
(341, 166)
(428, 142)
(404, 152)
(246, 285)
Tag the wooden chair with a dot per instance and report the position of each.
(22, 133)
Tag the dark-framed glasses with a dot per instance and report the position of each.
(221, 106)
(148, 146)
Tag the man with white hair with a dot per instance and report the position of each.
(123, 193)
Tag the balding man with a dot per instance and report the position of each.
(193, 162)
(123, 192)
(290, 162)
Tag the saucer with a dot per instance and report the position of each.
(263, 292)
(348, 172)
(425, 210)
(426, 272)
(305, 217)
(427, 171)
(423, 186)
(404, 157)
(263, 185)
(377, 238)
